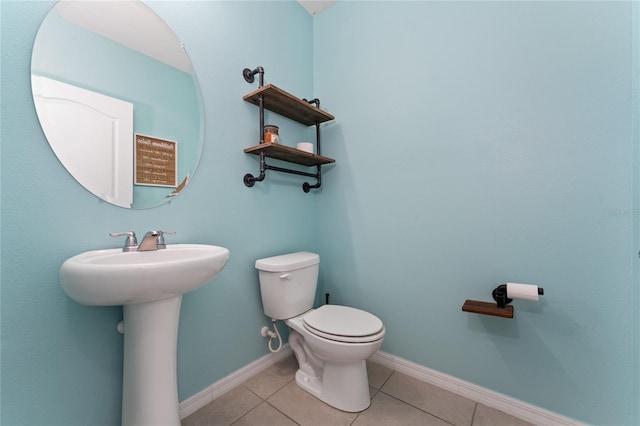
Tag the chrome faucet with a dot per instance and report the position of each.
(154, 240)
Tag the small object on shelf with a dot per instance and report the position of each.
(271, 134)
(487, 308)
(305, 146)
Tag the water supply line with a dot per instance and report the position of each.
(266, 332)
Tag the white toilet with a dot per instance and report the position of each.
(331, 343)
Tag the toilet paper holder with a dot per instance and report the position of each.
(501, 295)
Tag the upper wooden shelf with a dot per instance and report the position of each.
(287, 105)
(286, 153)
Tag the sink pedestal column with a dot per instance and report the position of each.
(150, 384)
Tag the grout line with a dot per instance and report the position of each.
(281, 387)
(387, 379)
(358, 415)
(417, 408)
(271, 394)
(473, 417)
(261, 398)
(245, 414)
(279, 411)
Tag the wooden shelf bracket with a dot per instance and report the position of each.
(486, 308)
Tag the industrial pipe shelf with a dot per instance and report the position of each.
(302, 111)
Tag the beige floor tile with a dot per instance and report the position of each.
(397, 399)
(267, 382)
(439, 402)
(264, 415)
(306, 409)
(224, 410)
(486, 416)
(378, 374)
(388, 411)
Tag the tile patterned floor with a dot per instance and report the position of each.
(272, 398)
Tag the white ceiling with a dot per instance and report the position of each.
(129, 23)
(134, 25)
(316, 6)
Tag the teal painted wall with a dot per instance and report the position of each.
(481, 143)
(476, 143)
(62, 362)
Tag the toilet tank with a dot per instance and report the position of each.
(288, 283)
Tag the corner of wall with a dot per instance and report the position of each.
(635, 70)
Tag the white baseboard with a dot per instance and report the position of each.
(222, 386)
(504, 403)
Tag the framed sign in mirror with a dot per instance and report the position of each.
(156, 161)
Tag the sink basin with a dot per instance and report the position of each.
(113, 277)
(150, 285)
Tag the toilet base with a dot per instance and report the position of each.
(343, 386)
(332, 371)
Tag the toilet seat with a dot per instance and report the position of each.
(343, 324)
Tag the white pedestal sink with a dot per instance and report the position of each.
(150, 285)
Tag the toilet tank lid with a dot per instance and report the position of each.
(287, 262)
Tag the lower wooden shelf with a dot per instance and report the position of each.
(286, 153)
(487, 308)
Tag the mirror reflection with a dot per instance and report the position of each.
(118, 100)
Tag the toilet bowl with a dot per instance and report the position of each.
(331, 343)
(331, 369)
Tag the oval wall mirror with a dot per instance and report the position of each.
(118, 100)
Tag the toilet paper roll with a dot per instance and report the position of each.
(522, 291)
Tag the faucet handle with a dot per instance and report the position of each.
(161, 244)
(130, 243)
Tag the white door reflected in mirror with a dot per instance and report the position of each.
(97, 149)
